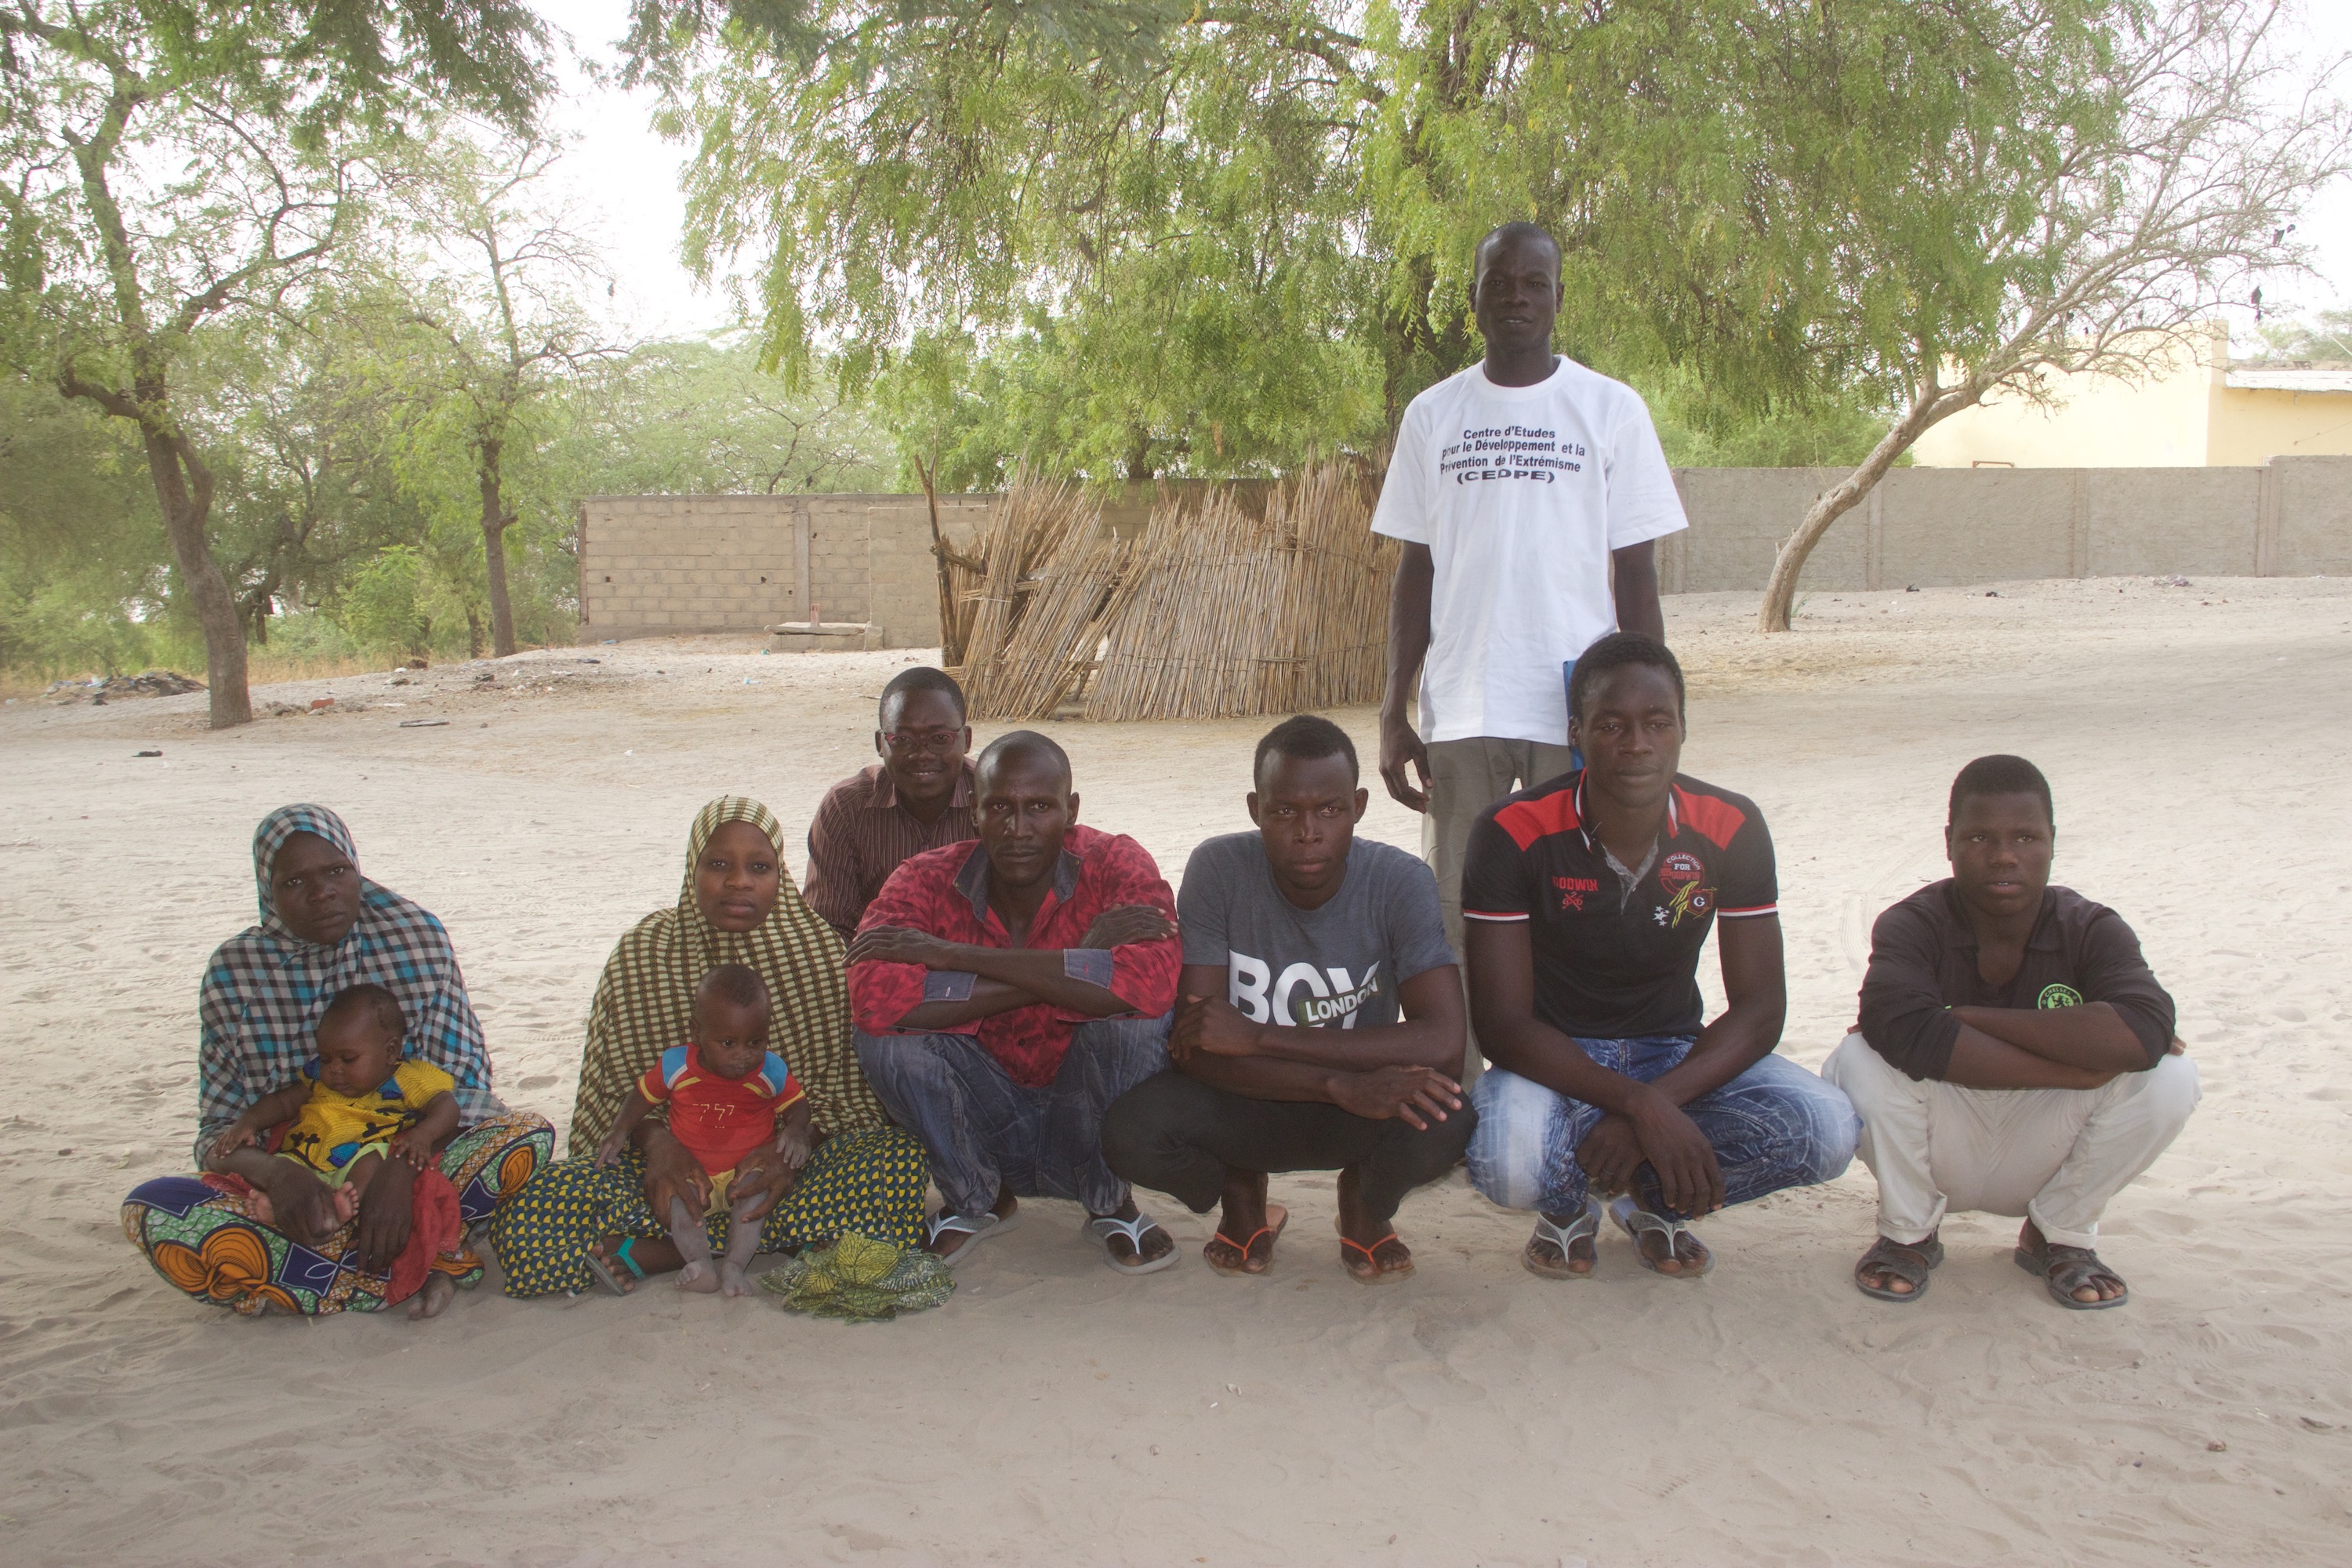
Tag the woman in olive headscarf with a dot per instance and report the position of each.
(580, 1222)
(323, 928)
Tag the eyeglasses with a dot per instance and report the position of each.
(939, 742)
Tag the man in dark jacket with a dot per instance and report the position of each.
(2014, 1054)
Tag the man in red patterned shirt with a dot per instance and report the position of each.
(1005, 993)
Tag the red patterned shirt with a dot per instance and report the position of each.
(944, 892)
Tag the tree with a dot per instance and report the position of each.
(170, 163)
(700, 417)
(2001, 190)
(1215, 239)
(494, 279)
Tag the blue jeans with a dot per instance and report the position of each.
(1774, 1126)
(982, 1130)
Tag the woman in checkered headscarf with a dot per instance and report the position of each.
(323, 928)
(580, 1222)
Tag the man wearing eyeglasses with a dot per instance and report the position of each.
(918, 797)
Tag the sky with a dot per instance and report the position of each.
(623, 181)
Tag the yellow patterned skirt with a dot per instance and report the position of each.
(870, 1182)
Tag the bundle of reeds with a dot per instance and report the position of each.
(1032, 526)
(1232, 616)
(1053, 649)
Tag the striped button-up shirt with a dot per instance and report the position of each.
(862, 834)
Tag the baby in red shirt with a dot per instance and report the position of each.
(727, 1094)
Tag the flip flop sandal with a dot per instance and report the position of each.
(1272, 1232)
(603, 1267)
(1584, 1224)
(1102, 1227)
(1908, 1261)
(1379, 1275)
(976, 1227)
(2065, 1270)
(1637, 1222)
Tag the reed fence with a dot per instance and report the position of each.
(1215, 610)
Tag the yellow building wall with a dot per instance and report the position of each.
(2161, 421)
(2252, 425)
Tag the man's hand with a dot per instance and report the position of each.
(1609, 1154)
(386, 1210)
(673, 1173)
(902, 944)
(1415, 1096)
(1209, 1026)
(1402, 746)
(1128, 923)
(1688, 1176)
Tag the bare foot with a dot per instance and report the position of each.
(259, 1209)
(700, 1278)
(347, 1204)
(734, 1279)
(439, 1291)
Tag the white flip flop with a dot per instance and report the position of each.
(1102, 1227)
(975, 1227)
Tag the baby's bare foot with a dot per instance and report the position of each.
(700, 1278)
(259, 1209)
(347, 1204)
(734, 1280)
(438, 1291)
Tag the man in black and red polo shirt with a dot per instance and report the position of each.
(1585, 903)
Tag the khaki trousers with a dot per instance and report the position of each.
(2054, 1155)
(1465, 777)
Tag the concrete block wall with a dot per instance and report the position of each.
(651, 564)
(655, 564)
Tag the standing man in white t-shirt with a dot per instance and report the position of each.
(1514, 487)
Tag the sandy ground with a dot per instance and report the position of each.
(2198, 738)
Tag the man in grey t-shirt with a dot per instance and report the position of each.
(1318, 1021)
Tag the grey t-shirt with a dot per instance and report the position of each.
(1339, 964)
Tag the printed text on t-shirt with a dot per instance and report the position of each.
(1302, 995)
(1510, 452)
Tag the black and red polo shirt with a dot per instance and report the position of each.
(1612, 965)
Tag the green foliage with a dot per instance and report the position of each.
(80, 544)
(2326, 339)
(701, 417)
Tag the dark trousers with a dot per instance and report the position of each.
(1177, 1135)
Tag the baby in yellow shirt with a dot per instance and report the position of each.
(356, 1103)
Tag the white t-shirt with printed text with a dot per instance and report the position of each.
(1520, 493)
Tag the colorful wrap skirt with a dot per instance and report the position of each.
(206, 1242)
(870, 1182)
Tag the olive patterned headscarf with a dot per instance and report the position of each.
(644, 1000)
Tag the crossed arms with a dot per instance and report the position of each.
(1404, 1070)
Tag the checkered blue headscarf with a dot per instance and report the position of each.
(266, 990)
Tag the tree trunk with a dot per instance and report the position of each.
(186, 511)
(494, 552)
(1781, 590)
